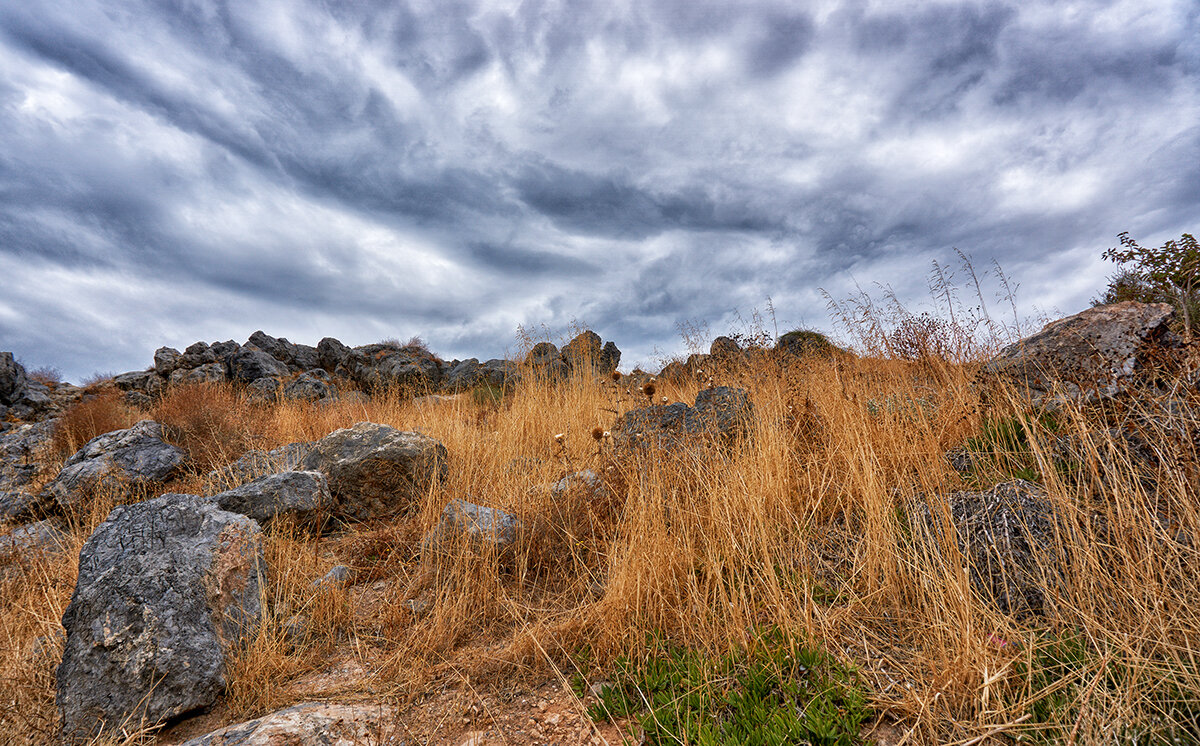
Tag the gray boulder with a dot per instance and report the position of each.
(310, 724)
(280, 349)
(724, 347)
(586, 483)
(12, 379)
(208, 373)
(254, 464)
(166, 360)
(130, 458)
(303, 495)
(222, 351)
(375, 470)
(720, 413)
(542, 354)
(405, 370)
(487, 528)
(250, 364)
(331, 353)
(146, 381)
(21, 449)
(165, 588)
(1093, 354)
(43, 536)
(1008, 537)
(197, 354)
(466, 374)
(312, 386)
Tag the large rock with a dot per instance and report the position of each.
(720, 413)
(135, 457)
(1009, 537)
(18, 507)
(302, 495)
(43, 536)
(375, 470)
(165, 587)
(1092, 354)
(197, 354)
(250, 364)
(331, 353)
(310, 724)
(405, 370)
(166, 360)
(12, 379)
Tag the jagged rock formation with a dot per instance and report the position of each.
(165, 587)
(720, 413)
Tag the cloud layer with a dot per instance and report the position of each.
(199, 170)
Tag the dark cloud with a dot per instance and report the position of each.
(173, 172)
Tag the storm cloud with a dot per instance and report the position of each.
(198, 170)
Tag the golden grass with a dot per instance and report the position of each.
(803, 525)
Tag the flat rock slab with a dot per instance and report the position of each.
(134, 457)
(165, 587)
(375, 470)
(310, 724)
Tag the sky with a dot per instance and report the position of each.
(186, 170)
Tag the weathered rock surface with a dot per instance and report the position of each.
(13, 379)
(43, 536)
(302, 495)
(20, 452)
(146, 381)
(376, 470)
(134, 457)
(255, 464)
(20, 507)
(1091, 354)
(331, 353)
(485, 527)
(1008, 536)
(310, 724)
(312, 386)
(250, 364)
(213, 372)
(721, 413)
(586, 482)
(165, 587)
(265, 390)
(166, 360)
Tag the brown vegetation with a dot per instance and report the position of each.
(804, 525)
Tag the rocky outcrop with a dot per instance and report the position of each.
(123, 459)
(21, 450)
(1094, 354)
(720, 413)
(165, 587)
(375, 470)
(301, 495)
(470, 373)
(310, 724)
(21, 397)
(584, 354)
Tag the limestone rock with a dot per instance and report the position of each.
(12, 379)
(1092, 354)
(484, 527)
(166, 360)
(331, 353)
(721, 413)
(254, 464)
(43, 536)
(133, 457)
(213, 372)
(375, 470)
(165, 587)
(310, 724)
(312, 386)
(250, 364)
(303, 495)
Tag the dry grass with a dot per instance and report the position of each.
(803, 525)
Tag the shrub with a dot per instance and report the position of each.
(921, 337)
(92, 416)
(46, 374)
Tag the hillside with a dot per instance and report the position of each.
(780, 544)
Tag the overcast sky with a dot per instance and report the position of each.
(174, 171)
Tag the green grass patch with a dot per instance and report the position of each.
(778, 690)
